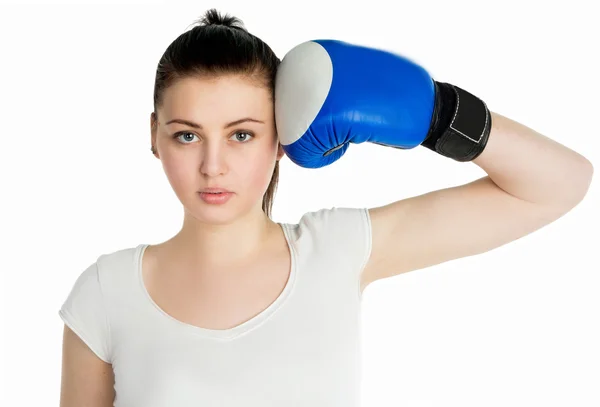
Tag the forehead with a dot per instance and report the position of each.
(231, 91)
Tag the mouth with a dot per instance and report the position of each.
(215, 191)
(215, 197)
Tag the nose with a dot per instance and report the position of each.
(213, 159)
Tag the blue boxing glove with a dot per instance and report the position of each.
(329, 94)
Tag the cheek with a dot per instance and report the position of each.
(258, 173)
(179, 175)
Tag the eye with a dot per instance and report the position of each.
(186, 133)
(182, 133)
(244, 132)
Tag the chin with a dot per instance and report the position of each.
(216, 214)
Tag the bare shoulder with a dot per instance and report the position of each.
(86, 379)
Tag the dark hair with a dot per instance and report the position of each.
(219, 44)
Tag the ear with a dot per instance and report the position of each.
(280, 152)
(153, 130)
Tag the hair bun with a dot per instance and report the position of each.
(213, 17)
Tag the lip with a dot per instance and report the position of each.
(215, 189)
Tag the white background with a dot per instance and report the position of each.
(517, 326)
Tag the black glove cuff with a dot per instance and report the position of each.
(461, 124)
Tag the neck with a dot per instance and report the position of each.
(202, 245)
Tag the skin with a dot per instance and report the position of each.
(240, 158)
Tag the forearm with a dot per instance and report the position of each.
(533, 167)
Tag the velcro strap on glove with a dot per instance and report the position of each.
(460, 125)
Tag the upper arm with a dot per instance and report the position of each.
(87, 381)
(447, 224)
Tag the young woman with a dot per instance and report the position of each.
(236, 309)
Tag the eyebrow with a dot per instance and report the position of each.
(198, 126)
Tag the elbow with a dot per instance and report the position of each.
(579, 185)
(588, 174)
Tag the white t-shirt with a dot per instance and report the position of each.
(303, 350)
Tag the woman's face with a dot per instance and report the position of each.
(240, 157)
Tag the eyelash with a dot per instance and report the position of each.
(179, 134)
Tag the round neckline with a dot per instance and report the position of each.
(230, 333)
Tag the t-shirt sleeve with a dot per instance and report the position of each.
(346, 231)
(84, 312)
(353, 227)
